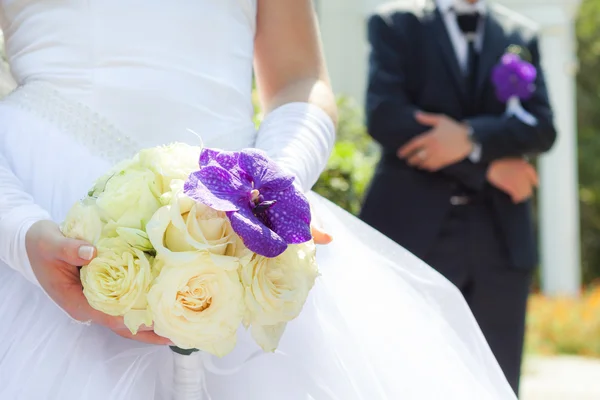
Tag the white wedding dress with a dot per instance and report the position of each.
(100, 79)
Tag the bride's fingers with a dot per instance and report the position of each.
(79, 309)
(145, 328)
(145, 337)
(320, 236)
(74, 252)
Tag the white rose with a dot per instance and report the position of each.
(174, 161)
(117, 281)
(100, 183)
(238, 249)
(129, 199)
(83, 222)
(182, 229)
(135, 238)
(276, 290)
(198, 305)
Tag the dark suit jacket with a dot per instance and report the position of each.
(413, 67)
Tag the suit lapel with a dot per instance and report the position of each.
(494, 45)
(436, 21)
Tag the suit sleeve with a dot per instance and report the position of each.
(389, 110)
(502, 137)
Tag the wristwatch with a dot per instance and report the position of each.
(475, 155)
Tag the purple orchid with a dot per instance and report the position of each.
(264, 207)
(514, 77)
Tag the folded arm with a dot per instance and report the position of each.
(390, 111)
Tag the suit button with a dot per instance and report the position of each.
(460, 200)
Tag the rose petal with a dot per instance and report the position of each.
(256, 236)
(133, 319)
(290, 216)
(268, 336)
(265, 173)
(216, 187)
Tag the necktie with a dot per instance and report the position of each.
(468, 24)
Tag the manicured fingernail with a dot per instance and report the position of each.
(86, 252)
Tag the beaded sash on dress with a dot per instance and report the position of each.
(79, 121)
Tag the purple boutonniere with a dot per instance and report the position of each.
(514, 80)
(265, 209)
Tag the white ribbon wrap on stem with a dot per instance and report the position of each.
(515, 108)
(189, 374)
(189, 377)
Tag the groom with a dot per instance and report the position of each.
(453, 185)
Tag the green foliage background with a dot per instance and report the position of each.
(588, 120)
(352, 163)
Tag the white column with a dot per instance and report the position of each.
(343, 31)
(559, 199)
(343, 28)
(558, 194)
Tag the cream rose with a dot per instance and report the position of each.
(129, 199)
(238, 250)
(119, 168)
(117, 281)
(198, 305)
(182, 229)
(174, 161)
(83, 222)
(135, 238)
(276, 290)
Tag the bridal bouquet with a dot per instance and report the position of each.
(197, 248)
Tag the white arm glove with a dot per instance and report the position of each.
(18, 212)
(300, 138)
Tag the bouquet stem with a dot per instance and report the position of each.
(183, 352)
(189, 379)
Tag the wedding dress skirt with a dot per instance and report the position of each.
(379, 324)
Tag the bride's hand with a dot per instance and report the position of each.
(55, 260)
(320, 236)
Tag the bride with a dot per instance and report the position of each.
(97, 81)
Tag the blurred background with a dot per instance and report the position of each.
(563, 325)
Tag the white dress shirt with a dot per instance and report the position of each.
(460, 41)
